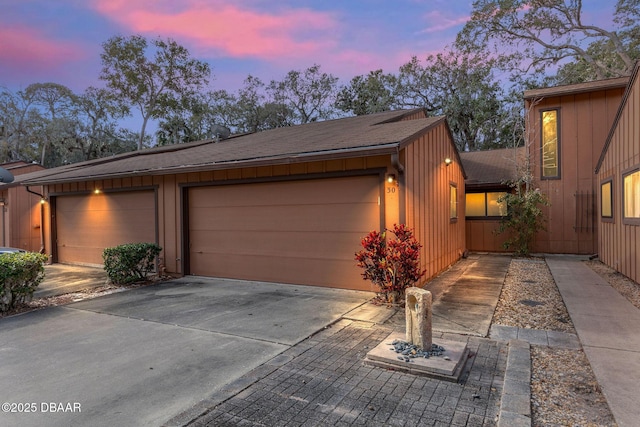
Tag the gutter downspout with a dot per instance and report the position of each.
(41, 218)
(395, 161)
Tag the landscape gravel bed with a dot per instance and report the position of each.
(564, 390)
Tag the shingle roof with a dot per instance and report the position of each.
(491, 167)
(347, 137)
(619, 82)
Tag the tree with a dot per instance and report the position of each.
(367, 94)
(154, 86)
(309, 94)
(460, 86)
(544, 33)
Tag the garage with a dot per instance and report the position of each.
(88, 223)
(302, 232)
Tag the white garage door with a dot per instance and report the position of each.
(86, 224)
(303, 232)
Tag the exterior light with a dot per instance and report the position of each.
(96, 191)
(391, 178)
(447, 161)
(42, 201)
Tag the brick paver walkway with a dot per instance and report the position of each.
(323, 382)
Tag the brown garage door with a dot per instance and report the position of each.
(86, 224)
(303, 232)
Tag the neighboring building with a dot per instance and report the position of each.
(566, 128)
(489, 177)
(285, 205)
(618, 179)
(21, 212)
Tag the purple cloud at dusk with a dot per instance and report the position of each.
(44, 41)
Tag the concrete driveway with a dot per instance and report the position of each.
(142, 356)
(63, 278)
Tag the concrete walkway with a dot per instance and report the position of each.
(608, 327)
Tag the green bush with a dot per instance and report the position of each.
(130, 262)
(20, 275)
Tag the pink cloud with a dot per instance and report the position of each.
(437, 22)
(227, 28)
(24, 48)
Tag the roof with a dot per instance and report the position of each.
(623, 103)
(491, 168)
(373, 134)
(619, 82)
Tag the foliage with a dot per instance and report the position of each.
(367, 94)
(20, 275)
(309, 94)
(524, 217)
(155, 87)
(49, 124)
(545, 33)
(391, 264)
(130, 262)
(462, 87)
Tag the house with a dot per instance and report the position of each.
(285, 205)
(21, 212)
(566, 129)
(618, 179)
(489, 177)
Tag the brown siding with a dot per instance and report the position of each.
(426, 206)
(481, 236)
(619, 243)
(585, 120)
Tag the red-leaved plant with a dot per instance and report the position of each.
(391, 264)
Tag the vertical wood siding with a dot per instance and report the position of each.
(427, 181)
(585, 120)
(619, 243)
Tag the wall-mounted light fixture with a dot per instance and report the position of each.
(447, 161)
(391, 178)
(96, 191)
(2, 202)
(42, 201)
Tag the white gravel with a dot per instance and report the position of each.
(564, 390)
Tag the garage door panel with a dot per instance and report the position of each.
(86, 224)
(330, 218)
(294, 232)
(292, 245)
(276, 269)
(251, 195)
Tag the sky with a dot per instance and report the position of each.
(60, 41)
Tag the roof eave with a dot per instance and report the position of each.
(367, 151)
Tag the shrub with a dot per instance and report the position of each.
(20, 275)
(524, 218)
(130, 262)
(391, 264)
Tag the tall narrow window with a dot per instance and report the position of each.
(606, 199)
(453, 201)
(550, 144)
(632, 195)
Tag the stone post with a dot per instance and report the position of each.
(418, 317)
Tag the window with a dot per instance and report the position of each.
(453, 201)
(606, 199)
(550, 144)
(631, 195)
(485, 204)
